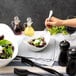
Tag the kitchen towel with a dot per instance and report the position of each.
(44, 57)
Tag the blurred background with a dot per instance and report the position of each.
(38, 10)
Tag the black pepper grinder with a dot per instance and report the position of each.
(71, 66)
(63, 58)
(16, 25)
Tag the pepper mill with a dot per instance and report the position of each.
(63, 59)
(71, 66)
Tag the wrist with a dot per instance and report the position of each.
(61, 22)
(64, 22)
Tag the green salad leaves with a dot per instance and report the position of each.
(57, 29)
(7, 49)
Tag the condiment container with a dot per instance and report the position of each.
(63, 58)
(16, 25)
(71, 66)
(29, 30)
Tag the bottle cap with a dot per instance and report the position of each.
(64, 45)
(29, 21)
(16, 20)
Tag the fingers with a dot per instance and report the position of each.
(49, 23)
(46, 22)
(53, 21)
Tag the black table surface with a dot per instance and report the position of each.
(18, 63)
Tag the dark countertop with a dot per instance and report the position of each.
(8, 70)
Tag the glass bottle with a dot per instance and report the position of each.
(63, 58)
(16, 26)
(71, 66)
(29, 30)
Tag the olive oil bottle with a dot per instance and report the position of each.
(29, 30)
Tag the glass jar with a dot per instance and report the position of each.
(16, 25)
(29, 30)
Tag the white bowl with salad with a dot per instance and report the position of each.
(39, 41)
(8, 45)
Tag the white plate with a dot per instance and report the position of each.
(9, 35)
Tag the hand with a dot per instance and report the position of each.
(52, 22)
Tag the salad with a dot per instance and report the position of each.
(6, 48)
(58, 29)
(38, 42)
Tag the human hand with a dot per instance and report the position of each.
(53, 21)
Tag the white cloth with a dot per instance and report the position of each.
(45, 57)
(49, 54)
(42, 56)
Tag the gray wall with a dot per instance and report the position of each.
(38, 10)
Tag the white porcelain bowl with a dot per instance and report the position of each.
(44, 34)
(9, 35)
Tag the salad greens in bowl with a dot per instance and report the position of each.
(58, 29)
(6, 48)
(8, 45)
(39, 41)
